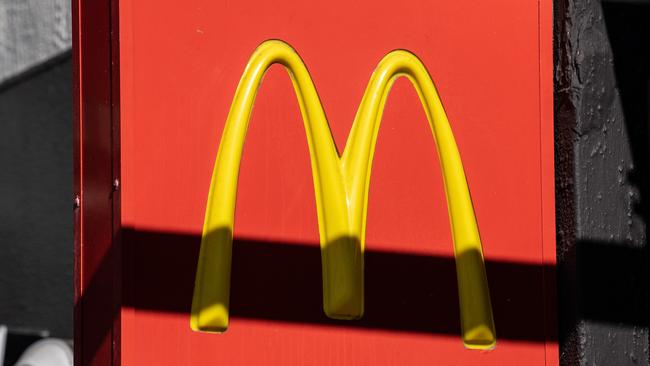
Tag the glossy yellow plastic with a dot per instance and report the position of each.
(341, 187)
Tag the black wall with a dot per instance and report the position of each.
(601, 125)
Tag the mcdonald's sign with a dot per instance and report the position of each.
(341, 186)
(224, 183)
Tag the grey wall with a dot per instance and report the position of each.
(36, 259)
(36, 165)
(31, 32)
(601, 117)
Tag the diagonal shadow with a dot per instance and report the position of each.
(282, 282)
(404, 292)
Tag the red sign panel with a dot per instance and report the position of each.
(176, 67)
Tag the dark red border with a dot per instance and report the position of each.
(96, 159)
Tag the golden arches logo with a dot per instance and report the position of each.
(341, 185)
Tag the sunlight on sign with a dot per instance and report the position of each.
(341, 185)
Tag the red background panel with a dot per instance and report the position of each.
(179, 64)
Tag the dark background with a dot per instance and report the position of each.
(602, 80)
(36, 258)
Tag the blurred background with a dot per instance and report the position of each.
(36, 258)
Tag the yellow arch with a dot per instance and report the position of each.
(341, 187)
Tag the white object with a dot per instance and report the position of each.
(47, 352)
(3, 341)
